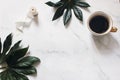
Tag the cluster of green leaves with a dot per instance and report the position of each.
(17, 64)
(68, 6)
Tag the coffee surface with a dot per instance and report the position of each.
(99, 24)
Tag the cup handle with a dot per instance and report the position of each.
(114, 29)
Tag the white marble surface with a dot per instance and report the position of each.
(70, 53)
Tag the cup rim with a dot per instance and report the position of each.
(101, 13)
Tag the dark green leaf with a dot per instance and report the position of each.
(78, 13)
(10, 74)
(59, 13)
(15, 55)
(17, 65)
(83, 4)
(49, 3)
(65, 4)
(58, 4)
(7, 44)
(15, 47)
(2, 75)
(2, 59)
(26, 70)
(18, 76)
(27, 61)
(67, 16)
(6, 75)
(0, 45)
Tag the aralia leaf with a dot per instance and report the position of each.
(64, 4)
(57, 4)
(26, 70)
(10, 74)
(78, 13)
(67, 16)
(59, 12)
(15, 46)
(49, 3)
(17, 76)
(7, 75)
(2, 59)
(2, 75)
(83, 4)
(7, 43)
(15, 55)
(27, 61)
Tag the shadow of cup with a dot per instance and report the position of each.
(106, 43)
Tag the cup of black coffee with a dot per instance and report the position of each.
(100, 23)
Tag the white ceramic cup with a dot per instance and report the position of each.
(109, 19)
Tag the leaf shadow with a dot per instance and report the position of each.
(54, 9)
(86, 9)
(81, 22)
